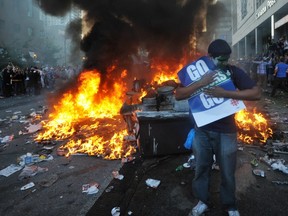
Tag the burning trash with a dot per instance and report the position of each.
(253, 127)
(89, 118)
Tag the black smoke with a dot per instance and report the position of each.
(120, 27)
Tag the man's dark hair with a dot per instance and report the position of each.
(219, 47)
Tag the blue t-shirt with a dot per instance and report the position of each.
(241, 81)
(282, 68)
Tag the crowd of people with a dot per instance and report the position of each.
(32, 80)
(267, 68)
(15, 80)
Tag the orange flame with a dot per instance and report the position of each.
(164, 72)
(252, 127)
(87, 112)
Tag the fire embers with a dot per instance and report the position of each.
(253, 127)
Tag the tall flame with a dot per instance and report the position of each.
(93, 115)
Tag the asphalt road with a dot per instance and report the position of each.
(64, 196)
(256, 195)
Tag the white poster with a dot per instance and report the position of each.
(206, 109)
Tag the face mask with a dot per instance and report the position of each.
(215, 61)
(220, 61)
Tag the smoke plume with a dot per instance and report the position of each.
(115, 29)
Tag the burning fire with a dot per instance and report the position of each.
(164, 72)
(162, 75)
(90, 118)
(252, 127)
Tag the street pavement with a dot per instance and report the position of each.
(58, 188)
(257, 195)
(64, 196)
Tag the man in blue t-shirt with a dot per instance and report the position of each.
(219, 137)
(280, 71)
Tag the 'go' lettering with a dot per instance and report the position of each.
(197, 70)
(209, 102)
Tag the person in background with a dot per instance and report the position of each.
(1, 82)
(280, 73)
(270, 71)
(262, 73)
(219, 137)
(285, 46)
(7, 80)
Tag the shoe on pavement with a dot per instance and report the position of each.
(199, 209)
(233, 213)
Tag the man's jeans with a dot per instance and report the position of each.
(224, 146)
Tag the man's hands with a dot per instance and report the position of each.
(207, 78)
(215, 91)
(186, 92)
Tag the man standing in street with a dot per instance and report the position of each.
(220, 136)
(280, 74)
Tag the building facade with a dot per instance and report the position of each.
(21, 30)
(29, 36)
(223, 28)
(255, 23)
(55, 30)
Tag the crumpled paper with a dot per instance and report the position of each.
(152, 183)
(30, 171)
(278, 165)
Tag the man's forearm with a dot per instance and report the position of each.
(182, 93)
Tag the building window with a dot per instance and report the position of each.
(30, 32)
(259, 3)
(243, 8)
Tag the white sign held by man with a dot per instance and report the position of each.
(206, 109)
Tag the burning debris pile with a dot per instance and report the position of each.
(253, 127)
(89, 118)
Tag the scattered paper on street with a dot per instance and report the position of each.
(10, 170)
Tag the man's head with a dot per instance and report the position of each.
(219, 50)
